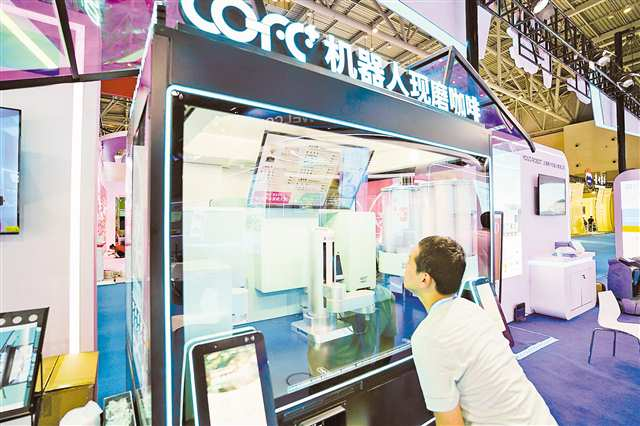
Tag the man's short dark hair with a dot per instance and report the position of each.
(444, 260)
(485, 220)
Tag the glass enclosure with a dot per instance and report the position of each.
(137, 270)
(301, 228)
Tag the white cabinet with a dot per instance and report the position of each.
(563, 287)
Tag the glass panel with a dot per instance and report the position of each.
(302, 230)
(114, 31)
(491, 116)
(31, 44)
(137, 269)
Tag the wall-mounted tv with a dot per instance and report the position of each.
(9, 170)
(552, 196)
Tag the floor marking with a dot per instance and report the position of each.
(535, 348)
(528, 331)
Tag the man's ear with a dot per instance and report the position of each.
(427, 281)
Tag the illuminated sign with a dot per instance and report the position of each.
(340, 57)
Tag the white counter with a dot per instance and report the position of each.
(563, 287)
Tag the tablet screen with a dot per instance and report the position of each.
(234, 391)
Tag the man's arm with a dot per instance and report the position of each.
(450, 418)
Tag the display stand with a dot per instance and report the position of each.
(17, 381)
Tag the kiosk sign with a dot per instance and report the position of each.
(339, 56)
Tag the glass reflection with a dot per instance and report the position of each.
(302, 230)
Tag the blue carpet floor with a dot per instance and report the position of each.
(603, 393)
(604, 246)
(112, 361)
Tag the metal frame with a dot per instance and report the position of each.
(63, 20)
(562, 39)
(452, 55)
(615, 335)
(82, 78)
(75, 77)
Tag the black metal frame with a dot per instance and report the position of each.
(453, 55)
(615, 335)
(82, 78)
(563, 40)
(187, 58)
(75, 77)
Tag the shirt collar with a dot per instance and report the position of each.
(440, 302)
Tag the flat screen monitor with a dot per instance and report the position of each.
(552, 196)
(300, 172)
(232, 382)
(9, 170)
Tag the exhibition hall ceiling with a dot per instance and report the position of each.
(109, 36)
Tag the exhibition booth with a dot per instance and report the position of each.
(321, 175)
(591, 208)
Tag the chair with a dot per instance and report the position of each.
(608, 320)
(622, 277)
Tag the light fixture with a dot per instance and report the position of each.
(603, 58)
(26, 41)
(543, 9)
(610, 16)
(627, 80)
(628, 9)
(375, 30)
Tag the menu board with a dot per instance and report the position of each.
(300, 172)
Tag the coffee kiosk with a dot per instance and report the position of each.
(278, 179)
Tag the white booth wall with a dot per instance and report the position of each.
(515, 181)
(51, 262)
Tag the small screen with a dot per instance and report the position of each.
(234, 391)
(552, 196)
(17, 365)
(9, 170)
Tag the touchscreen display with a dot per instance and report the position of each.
(17, 362)
(234, 391)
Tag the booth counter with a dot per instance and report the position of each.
(284, 194)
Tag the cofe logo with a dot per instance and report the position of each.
(286, 30)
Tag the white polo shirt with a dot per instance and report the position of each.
(461, 357)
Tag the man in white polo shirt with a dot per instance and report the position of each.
(467, 371)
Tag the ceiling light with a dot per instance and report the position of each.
(375, 30)
(603, 59)
(610, 16)
(543, 9)
(627, 80)
(389, 46)
(628, 9)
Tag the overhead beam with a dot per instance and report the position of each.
(330, 13)
(540, 88)
(527, 102)
(584, 6)
(609, 34)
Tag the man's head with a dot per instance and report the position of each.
(485, 220)
(436, 264)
